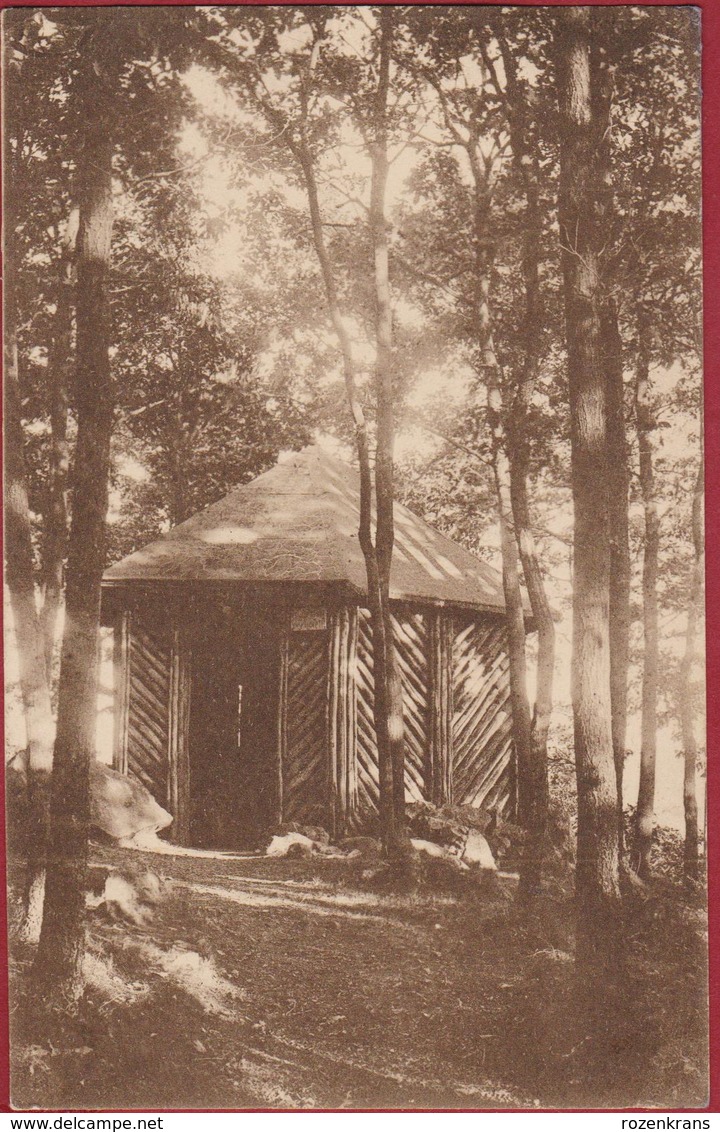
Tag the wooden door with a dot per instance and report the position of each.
(257, 728)
(214, 754)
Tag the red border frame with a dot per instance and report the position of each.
(710, 10)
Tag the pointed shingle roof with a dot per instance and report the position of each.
(298, 522)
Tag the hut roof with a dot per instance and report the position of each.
(298, 522)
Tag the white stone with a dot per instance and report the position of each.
(279, 845)
(478, 852)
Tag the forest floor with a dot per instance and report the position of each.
(262, 983)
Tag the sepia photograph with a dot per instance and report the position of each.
(354, 608)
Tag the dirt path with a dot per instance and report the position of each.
(281, 984)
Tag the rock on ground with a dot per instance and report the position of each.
(129, 894)
(121, 807)
(478, 852)
(431, 849)
(290, 844)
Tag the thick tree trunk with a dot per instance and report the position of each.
(687, 715)
(58, 965)
(582, 210)
(55, 516)
(619, 488)
(645, 813)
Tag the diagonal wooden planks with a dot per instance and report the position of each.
(305, 763)
(412, 642)
(330, 767)
(482, 727)
(368, 787)
(148, 659)
(411, 645)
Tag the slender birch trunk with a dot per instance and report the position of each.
(490, 371)
(58, 964)
(539, 790)
(377, 544)
(387, 676)
(34, 686)
(19, 557)
(527, 168)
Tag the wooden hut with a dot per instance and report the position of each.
(243, 662)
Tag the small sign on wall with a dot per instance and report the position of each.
(308, 620)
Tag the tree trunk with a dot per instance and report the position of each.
(365, 533)
(58, 965)
(582, 212)
(34, 685)
(619, 487)
(539, 792)
(687, 715)
(55, 516)
(515, 619)
(377, 551)
(20, 567)
(388, 689)
(490, 371)
(645, 813)
(180, 509)
(527, 167)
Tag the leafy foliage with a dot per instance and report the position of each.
(223, 352)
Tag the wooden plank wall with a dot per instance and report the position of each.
(305, 760)
(412, 640)
(121, 691)
(368, 794)
(481, 727)
(454, 672)
(342, 718)
(152, 712)
(438, 776)
(412, 643)
(179, 697)
(456, 700)
(149, 666)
